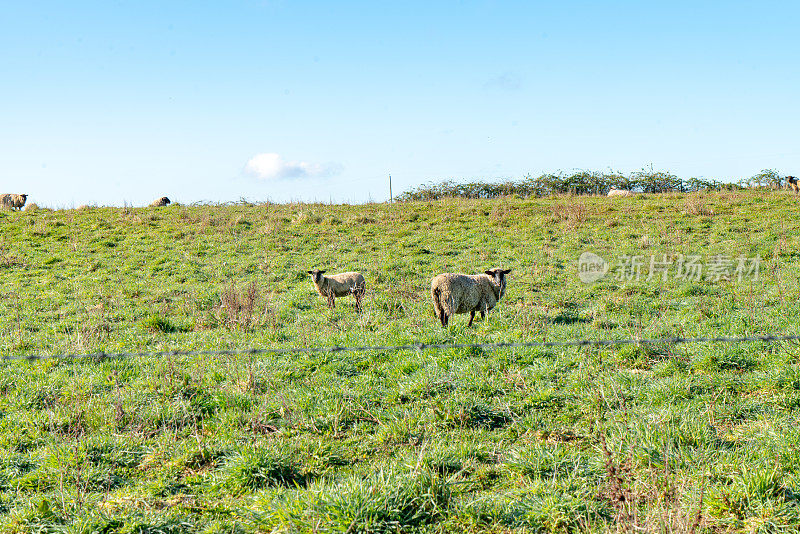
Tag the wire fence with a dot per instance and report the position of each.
(411, 346)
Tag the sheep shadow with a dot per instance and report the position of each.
(567, 319)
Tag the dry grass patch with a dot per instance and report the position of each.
(573, 214)
(696, 206)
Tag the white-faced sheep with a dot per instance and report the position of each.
(339, 285)
(161, 202)
(620, 193)
(463, 293)
(12, 201)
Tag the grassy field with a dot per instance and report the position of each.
(665, 438)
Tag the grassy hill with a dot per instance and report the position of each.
(668, 438)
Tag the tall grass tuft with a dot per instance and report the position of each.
(242, 310)
(388, 500)
(259, 467)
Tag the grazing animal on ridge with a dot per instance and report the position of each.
(620, 193)
(339, 285)
(791, 183)
(464, 293)
(161, 202)
(12, 201)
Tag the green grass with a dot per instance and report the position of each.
(456, 440)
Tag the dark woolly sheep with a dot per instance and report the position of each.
(12, 201)
(463, 293)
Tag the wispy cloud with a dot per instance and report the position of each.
(271, 166)
(508, 81)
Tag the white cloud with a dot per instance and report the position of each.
(271, 166)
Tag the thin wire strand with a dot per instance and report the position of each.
(413, 346)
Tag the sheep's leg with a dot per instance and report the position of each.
(358, 294)
(471, 317)
(483, 315)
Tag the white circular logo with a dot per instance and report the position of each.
(591, 267)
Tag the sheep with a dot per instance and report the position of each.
(11, 201)
(462, 293)
(620, 193)
(163, 201)
(339, 285)
(791, 183)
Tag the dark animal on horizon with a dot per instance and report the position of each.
(13, 201)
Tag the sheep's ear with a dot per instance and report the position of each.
(310, 272)
(490, 273)
(506, 271)
(322, 272)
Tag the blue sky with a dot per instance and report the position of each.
(123, 102)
